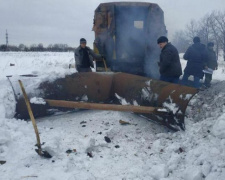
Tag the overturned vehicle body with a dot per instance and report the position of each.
(167, 102)
(126, 34)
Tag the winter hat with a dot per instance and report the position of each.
(210, 44)
(196, 39)
(162, 39)
(82, 40)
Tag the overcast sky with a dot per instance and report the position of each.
(66, 21)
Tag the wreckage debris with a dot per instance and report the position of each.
(2, 162)
(107, 139)
(124, 122)
(143, 98)
(90, 154)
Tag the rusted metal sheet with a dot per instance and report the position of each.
(111, 88)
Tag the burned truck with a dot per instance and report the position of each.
(126, 34)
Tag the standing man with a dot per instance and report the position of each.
(210, 63)
(84, 57)
(169, 65)
(196, 58)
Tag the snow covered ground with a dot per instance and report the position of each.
(88, 145)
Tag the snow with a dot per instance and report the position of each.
(171, 106)
(159, 171)
(139, 150)
(186, 97)
(36, 100)
(123, 100)
(162, 110)
(193, 173)
(37, 63)
(219, 126)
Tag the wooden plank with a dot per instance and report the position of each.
(97, 106)
(31, 116)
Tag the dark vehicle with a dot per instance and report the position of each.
(126, 33)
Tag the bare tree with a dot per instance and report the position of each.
(33, 47)
(220, 19)
(22, 47)
(40, 47)
(217, 24)
(204, 31)
(180, 41)
(211, 28)
(215, 36)
(192, 30)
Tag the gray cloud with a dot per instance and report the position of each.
(65, 21)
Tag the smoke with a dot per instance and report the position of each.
(137, 28)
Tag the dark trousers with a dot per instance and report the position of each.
(173, 79)
(79, 69)
(196, 80)
(208, 79)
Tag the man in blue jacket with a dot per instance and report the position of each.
(196, 58)
(169, 65)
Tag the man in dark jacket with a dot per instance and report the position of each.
(210, 63)
(196, 57)
(169, 65)
(84, 57)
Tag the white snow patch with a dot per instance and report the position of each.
(219, 127)
(171, 107)
(148, 83)
(185, 97)
(36, 100)
(122, 100)
(135, 103)
(193, 173)
(4, 137)
(159, 171)
(145, 93)
(162, 110)
(84, 98)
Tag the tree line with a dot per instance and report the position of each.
(37, 48)
(210, 28)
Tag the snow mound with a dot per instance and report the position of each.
(140, 150)
(193, 173)
(159, 171)
(219, 127)
(36, 100)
